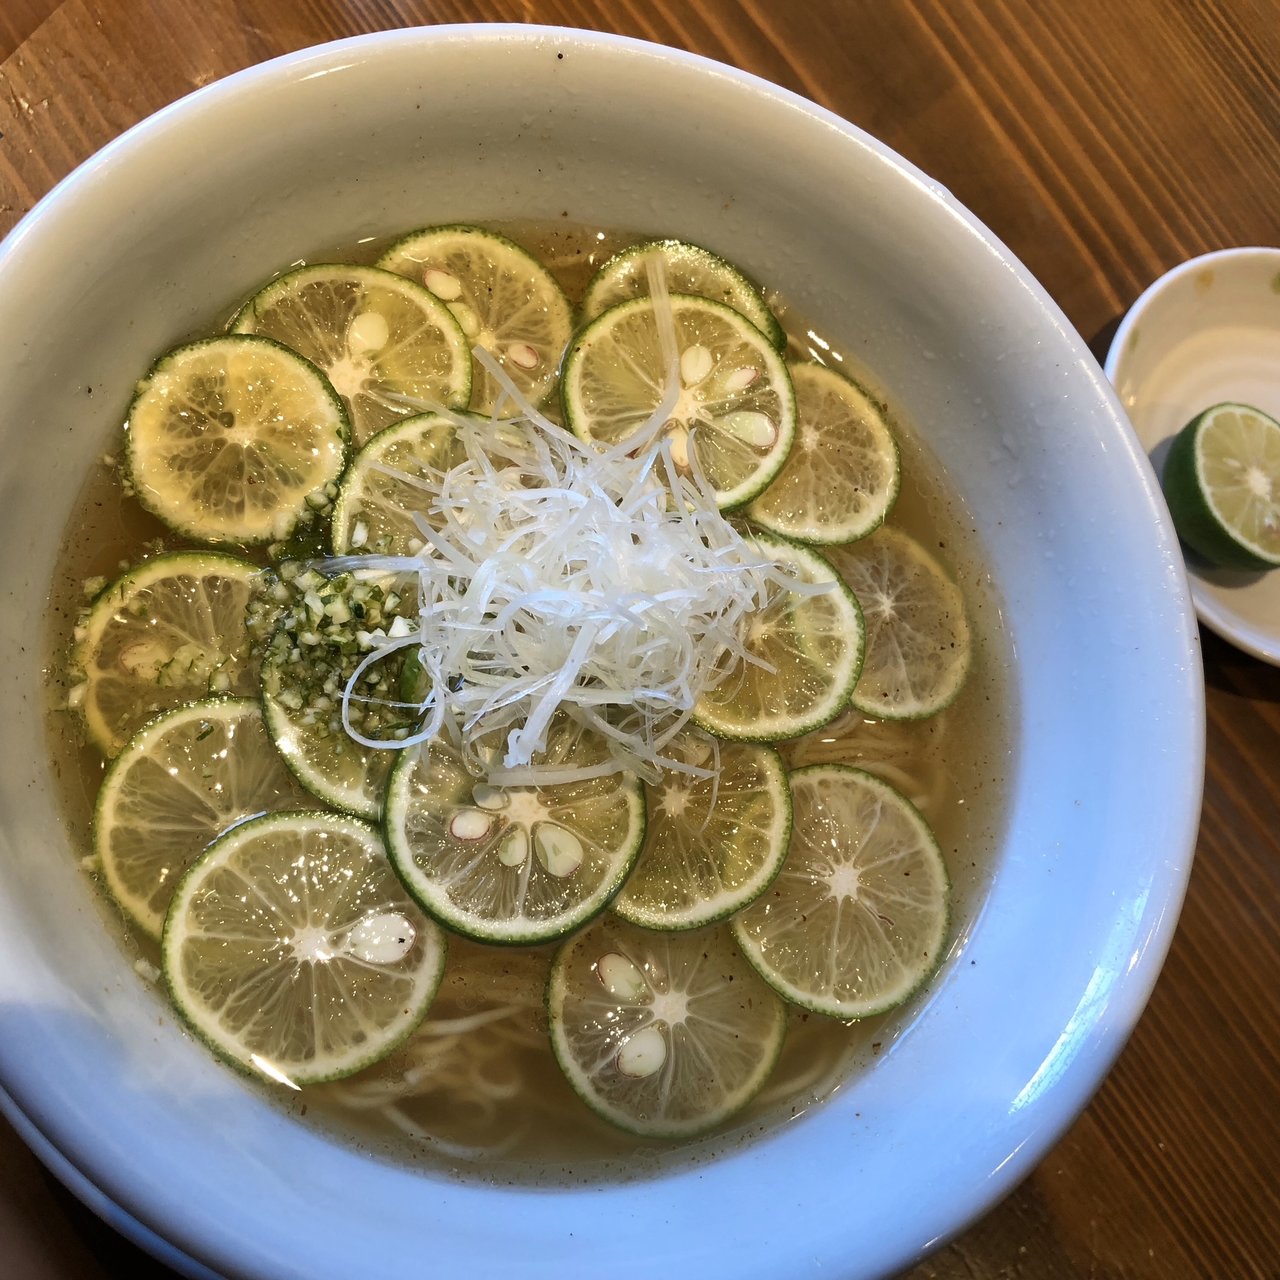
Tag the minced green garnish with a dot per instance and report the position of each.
(324, 627)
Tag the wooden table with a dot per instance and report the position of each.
(1103, 141)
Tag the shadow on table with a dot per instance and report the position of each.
(1100, 343)
(1235, 672)
(45, 1232)
(116, 1257)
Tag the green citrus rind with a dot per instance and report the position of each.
(742, 1025)
(466, 885)
(1205, 471)
(689, 269)
(227, 437)
(333, 867)
(879, 861)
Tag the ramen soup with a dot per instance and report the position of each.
(533, 705)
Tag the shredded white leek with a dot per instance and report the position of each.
(557, 580)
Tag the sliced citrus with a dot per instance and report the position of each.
(734, 410)
(806, 650)
(512, 864)
(380, 339)
(664, 1034)
(169, 631)
(179, 783)
(918, 644)
(505, 300)
(304, 719)
(227, 438)
(841, 477)
(1222, 482)
(382, 490)
(857, 918)
(293, 951)
(323, 758)
(711, 844)
(689, 269)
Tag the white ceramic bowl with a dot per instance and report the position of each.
(200, 202)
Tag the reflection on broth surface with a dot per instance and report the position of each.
(476, 1088)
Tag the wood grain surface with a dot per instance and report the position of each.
(1103, 141)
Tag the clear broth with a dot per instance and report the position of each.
(502, 1109)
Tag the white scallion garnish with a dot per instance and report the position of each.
(556, 579)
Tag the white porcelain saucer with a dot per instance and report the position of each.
(1208, 331)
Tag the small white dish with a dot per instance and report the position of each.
(1205, 332)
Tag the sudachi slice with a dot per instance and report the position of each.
(842, 475)
(734, 408)
(504, 299)
(227, 438)
(857, 919)
(293, 951)
(664, 1034)
(689, 269)
(1222, 482)
(712, 844)
(382, 492)
(386, 343)
(170, 630)
(808, 653)
(918, 642)
(180, 782)
(512, 864)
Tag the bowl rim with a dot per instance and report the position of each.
(1072, 1091)
(95, 1199)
